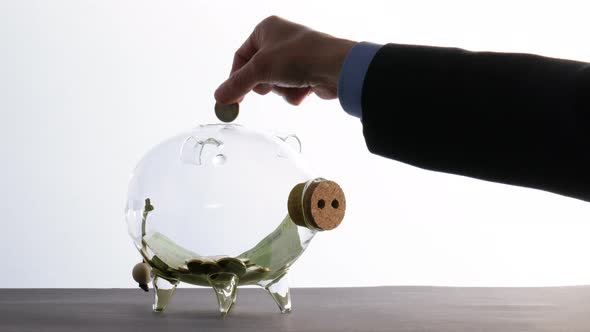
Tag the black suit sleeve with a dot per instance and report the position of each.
(512, 118)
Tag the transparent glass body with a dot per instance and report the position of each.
(209, 207)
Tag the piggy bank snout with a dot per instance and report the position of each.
(318, 204)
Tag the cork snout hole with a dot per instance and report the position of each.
(335, 204)
(322, 204)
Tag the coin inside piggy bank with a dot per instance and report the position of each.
(224, 206)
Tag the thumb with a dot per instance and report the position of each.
(240, 83)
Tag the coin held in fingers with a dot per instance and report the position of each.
(227, 113)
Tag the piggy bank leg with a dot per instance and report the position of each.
(163, 291)
(279, 290)
(225, 285)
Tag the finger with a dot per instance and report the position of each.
(240, 83)
(325, 92)
(239, 62)
(293, 96)
(297, 96)
(263, 89)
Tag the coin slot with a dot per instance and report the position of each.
(335, 204)
(321, 204)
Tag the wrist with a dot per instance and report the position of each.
(332, 52)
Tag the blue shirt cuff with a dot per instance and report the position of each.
(352, 76)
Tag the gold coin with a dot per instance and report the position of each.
(227, 113)
(232, 265)
(262, 269)
(197, 266)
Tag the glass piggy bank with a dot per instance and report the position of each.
(224, 206)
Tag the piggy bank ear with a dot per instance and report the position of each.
(199, 151)
(291, 141)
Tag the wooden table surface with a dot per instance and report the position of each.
(314, 309)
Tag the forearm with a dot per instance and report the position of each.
(511, 118)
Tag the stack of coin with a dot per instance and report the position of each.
(227, 113)
(212, 264)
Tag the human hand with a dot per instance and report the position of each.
(290, 59)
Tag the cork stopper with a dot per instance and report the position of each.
(318, 204)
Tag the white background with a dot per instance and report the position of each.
(86, 87)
